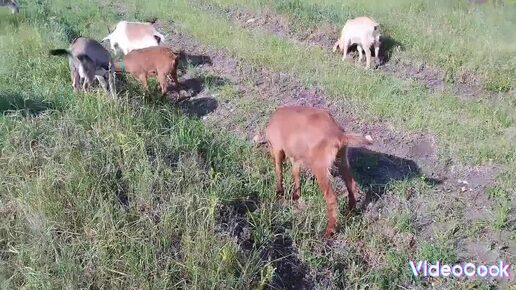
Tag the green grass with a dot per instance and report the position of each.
(130, 193)
(469, 131)
(456, 36)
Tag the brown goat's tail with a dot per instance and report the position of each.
(351, 139)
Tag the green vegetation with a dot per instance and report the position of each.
(459, 37)
(132, 193)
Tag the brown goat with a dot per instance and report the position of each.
(156, 61)
(311, 137)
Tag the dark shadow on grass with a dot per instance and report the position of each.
(290, 271)
(28, 106)
(387, 48)
(196, 85)
(199, 107)
(232, 219)
(194, 60)
(121, 188)
(375, 170)
(202, 106)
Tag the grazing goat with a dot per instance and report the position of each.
(311, 137)
(151, 61)
(362, 31)
(129, 36)
(89, 59)
(11, 4)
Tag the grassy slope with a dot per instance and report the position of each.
(442, 114)
(456, 36)
(67, 170)
(471, 132)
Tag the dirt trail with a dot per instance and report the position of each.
(469, 88)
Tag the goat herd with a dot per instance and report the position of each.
(308, 136)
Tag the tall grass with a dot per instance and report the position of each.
(131, 193)
(108, 193)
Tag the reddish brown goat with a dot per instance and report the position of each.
(311, 137)
(156, 61)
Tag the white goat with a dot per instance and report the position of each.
(365, 33)
(129, 36)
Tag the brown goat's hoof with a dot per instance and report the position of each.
(329, 233)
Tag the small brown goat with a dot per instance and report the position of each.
(156, 61)
(311, 137)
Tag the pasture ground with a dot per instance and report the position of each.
(142, 192)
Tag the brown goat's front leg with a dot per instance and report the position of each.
(296, 172)
(279, 156)
(323, 180)
(143, 79)
(163, 82)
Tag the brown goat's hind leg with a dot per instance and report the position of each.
(323, 180)
(351, 184)
(296, 172)
(174, 77)
(279, 156)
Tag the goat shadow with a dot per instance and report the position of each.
(375, 171)
(387, 47)
(291, 272)
(10, 102)
(202, 106)
(193, 60)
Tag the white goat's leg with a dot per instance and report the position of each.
(367, 51)
(360, 54)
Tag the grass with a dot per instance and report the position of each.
(470, 131)
(450, 35)
(132, 193)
